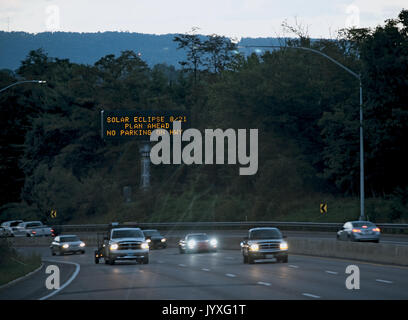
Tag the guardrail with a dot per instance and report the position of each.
(314, 226)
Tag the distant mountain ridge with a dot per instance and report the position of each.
(87, 48)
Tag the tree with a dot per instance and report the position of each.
(194, 46)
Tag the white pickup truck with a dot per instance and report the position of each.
(32, 229)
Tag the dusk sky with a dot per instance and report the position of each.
(233, 18)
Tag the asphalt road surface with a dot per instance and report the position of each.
(213, 276)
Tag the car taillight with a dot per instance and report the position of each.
(364, 227)
(376, 229)
(33, 232)
(52, 230)
(356, 230)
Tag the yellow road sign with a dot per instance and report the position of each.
(53, 214)
(323, 208)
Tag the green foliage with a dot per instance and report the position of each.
(304, 106)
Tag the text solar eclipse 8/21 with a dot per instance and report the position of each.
(139, 124)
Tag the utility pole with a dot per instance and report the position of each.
(144, 150)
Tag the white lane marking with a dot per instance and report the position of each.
(331, 272)
(383, 281)
(230, 275)
(311, 295)
(77, 268)
(205, 269)
(264, 283)
(182, 265)
(293, 266)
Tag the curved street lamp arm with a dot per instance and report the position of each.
(315, 51)
(24, 81)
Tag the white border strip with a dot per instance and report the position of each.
(10, 283)
(77, 266)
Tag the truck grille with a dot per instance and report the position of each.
(272, 245)
(129, 245)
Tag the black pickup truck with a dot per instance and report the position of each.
(264, 243)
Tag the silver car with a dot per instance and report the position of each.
(67, 244)
(359, 231)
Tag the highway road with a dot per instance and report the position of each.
(400, 239)
(214, 276)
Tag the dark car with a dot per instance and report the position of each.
(67, 244)
(359, 231)
(197, 242)
(155, 239)
(264, 243)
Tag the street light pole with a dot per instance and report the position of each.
(362, 215)
(24, 81)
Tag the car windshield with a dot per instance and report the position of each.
(265, 234)
(69, 239)
(198, 237)
(361, 224)
(127, 233)
(151, 233)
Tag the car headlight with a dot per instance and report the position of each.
(213, 242)
(114, 246)
(148, 240)
(65, 246)
(163, 240)
(191, 244)
(254, 247)
(283, 246)
(144, 245)
(82, 244)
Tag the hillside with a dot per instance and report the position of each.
(87, 48)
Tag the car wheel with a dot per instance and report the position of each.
(181, 251)
(52, 252)
(145, 260)
(96, 260)
(376, 241)
(245, 258)
(284, 259)
(251, 260)
(112, 262)
(107, 261)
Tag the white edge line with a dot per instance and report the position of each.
(205, 269)
(264, 283)
(10, 283)
(77, 266)
(311, 295)
(293, 266)
(230, 275)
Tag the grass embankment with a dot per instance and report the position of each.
(14, 265)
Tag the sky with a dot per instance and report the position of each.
(232, 18)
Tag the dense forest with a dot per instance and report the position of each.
(305, 107)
